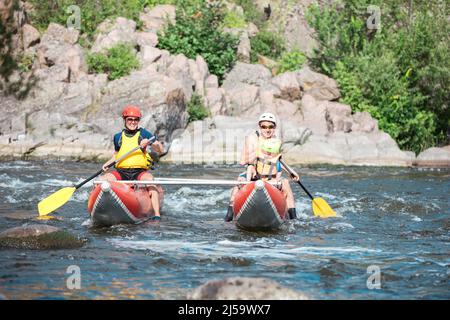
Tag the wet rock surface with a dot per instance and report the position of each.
(244, 288)
(38, 236)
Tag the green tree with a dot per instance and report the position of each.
(197, 32)
(398, 73)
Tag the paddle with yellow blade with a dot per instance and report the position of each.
(60, 197)
(320, 207)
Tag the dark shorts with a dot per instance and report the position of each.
(128, 174)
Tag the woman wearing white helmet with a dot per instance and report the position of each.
(253, 147)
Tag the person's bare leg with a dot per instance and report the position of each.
(290, 201)
(108, 177)
(229, 215)
(153, 193)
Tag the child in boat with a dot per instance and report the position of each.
(267, 123)
(267, 164)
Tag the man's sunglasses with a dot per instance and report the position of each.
(133, 119)
(267, 127)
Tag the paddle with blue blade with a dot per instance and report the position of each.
(60, 197)
(320, 207)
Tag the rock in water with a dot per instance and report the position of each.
(244, 288)
(38, 236)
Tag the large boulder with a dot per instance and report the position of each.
(38, 236)
(289, 87)
(244, 48)
(110, 33)
(339, 148)
(251, 74)
(318, 85)
(30, 36)
(244, 288)
(314, 115)
(290, 18)
(162, 100)
(156, 19)
(58, 47)
(242, 100)
(339, 117)
(434, 157)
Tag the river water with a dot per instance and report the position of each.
(392, 220)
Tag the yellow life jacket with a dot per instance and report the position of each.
(137, 159)
(266, 166)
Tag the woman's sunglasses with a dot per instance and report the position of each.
(267, 127)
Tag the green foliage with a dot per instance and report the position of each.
(398, 73)
(267, 44)
(10, 62)
(196, 109)
(252, 13)
(233, 20)
(93, 12)
(197, 32)
(118, 62)
(26, 62)
(290, 61)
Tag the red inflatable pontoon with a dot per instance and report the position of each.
(113, 203)
(259, 206)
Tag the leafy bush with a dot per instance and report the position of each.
(118, 62)
(252, 13)
(290, 61)
(93, 12)
(197, 32)
(267, 44)
(196, 109)
(398, 73)
(233, 20)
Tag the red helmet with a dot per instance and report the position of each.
(131, 111)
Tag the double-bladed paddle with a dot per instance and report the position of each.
(320, 207)
(60, 197)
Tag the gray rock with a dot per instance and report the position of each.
(216, 101)
(244, 48)
(149, 54)
(146, 39)
(250, 74)
(57, 33)
(339, 118)
(242, 99)
(289, 87)
(363, 122)
(314, 115)
(318, 85)
(38, 236)
(434, 157)
(157, 18)
(110, 33)
(30, 36)
(244, 288)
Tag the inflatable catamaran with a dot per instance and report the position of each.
(258, 205)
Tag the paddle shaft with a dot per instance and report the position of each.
(293, 174)
(108, 166)
(165, 181)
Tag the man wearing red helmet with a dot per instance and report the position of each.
(136, 165)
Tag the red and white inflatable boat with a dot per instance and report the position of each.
(113, 203)
(259, 206)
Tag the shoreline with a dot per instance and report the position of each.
(81, 154)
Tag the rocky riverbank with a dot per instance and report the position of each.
(70, 114)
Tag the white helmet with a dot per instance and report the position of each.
(267, 116)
